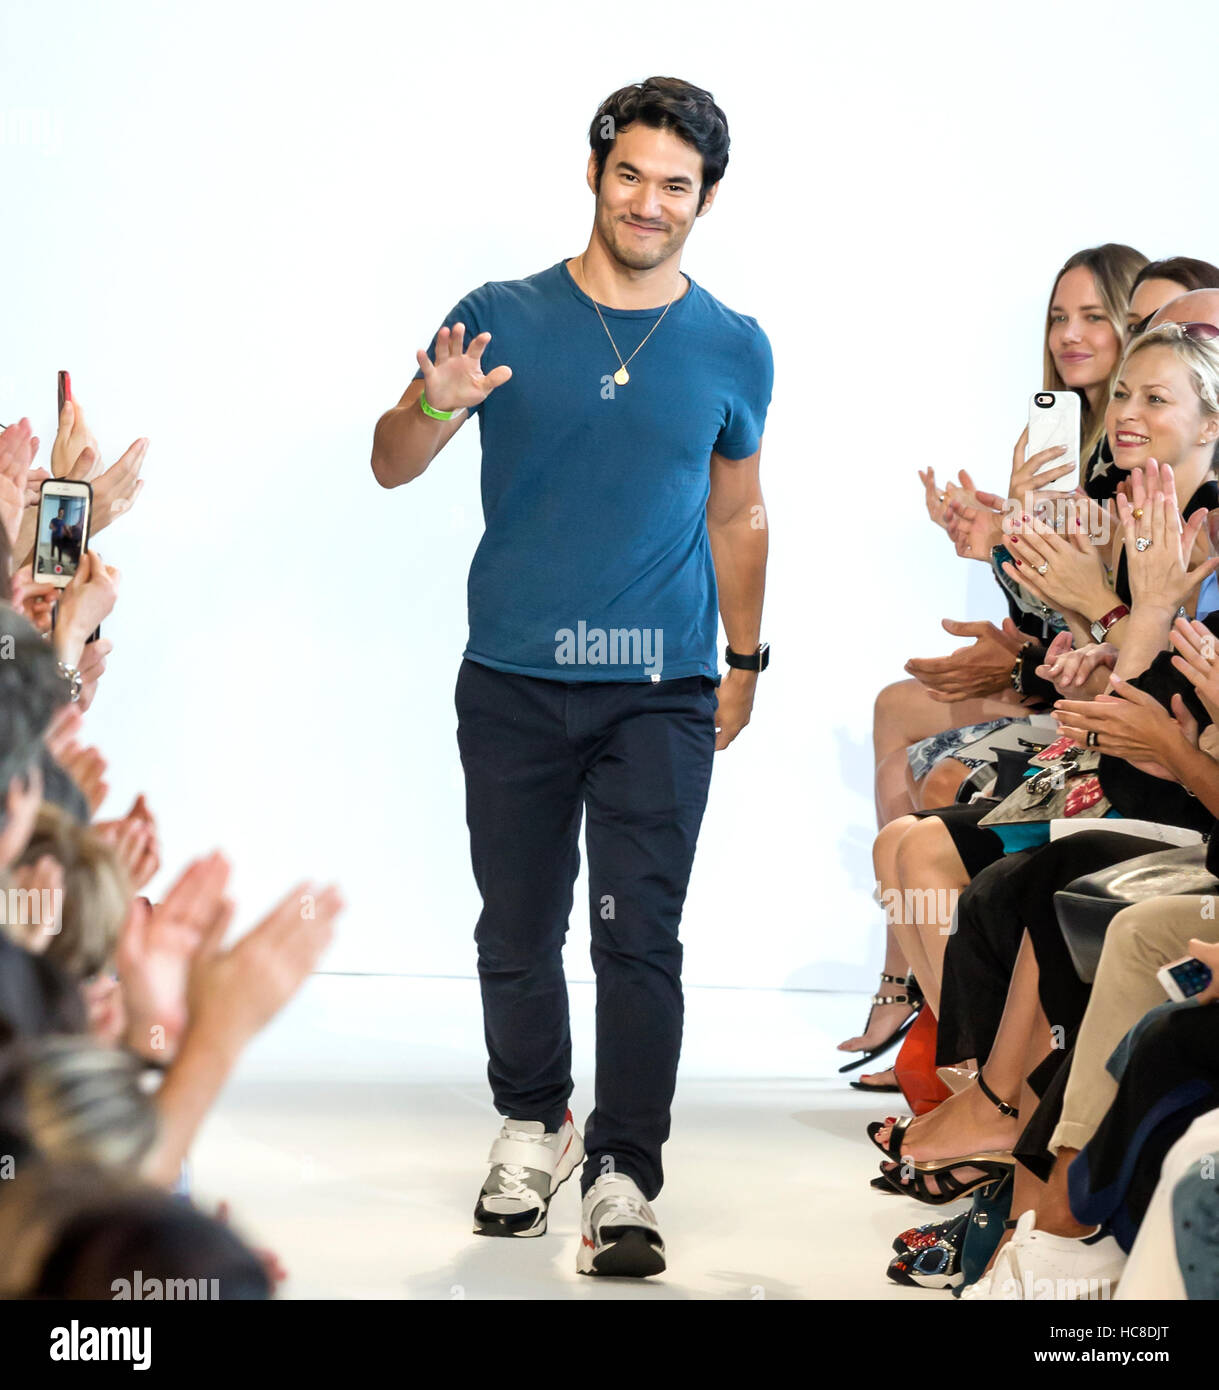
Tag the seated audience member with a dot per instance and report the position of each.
(1147, 710)
(110, 991)
(78, 1232)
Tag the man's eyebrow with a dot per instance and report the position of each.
(673, 178)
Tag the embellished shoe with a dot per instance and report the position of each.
(916, 1238)
(935, 1264)
(913, 997)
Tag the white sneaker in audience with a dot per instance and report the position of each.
(1038, 1265)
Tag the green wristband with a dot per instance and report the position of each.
(436, 414)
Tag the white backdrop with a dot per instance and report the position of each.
(235, 223)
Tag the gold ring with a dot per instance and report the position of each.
(1137, 513)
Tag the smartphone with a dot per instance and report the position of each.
(65, 390)
(1053, 421)
(62, 537)
(1184, 978)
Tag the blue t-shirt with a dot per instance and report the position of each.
(595, 562)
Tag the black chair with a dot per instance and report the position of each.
(1086, 906)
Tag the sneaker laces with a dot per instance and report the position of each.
(629, 1204)
(513, 1181)
(513, 1177)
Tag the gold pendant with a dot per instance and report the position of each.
(622, 376)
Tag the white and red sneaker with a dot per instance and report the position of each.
(528, 1166)
(618, 1231)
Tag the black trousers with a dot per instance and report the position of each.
(636, 757)
(1010, 896)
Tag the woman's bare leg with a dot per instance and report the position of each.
(886, 1017)
(904, 712)
(968, 1122)
(931, 875)
(938, 787)
(893, 796)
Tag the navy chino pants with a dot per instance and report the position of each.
(636, 757)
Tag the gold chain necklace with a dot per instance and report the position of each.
(622, 376)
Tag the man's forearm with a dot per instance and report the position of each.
(406, 440)
(738, 550)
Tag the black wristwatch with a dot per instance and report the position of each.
(758, 661)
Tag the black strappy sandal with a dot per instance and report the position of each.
(913, 996)
(991, 1164)
(951, 1188)
(862, 1085)
(897, 1132)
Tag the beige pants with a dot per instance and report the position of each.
(1139, 941)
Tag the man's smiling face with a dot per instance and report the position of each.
(649, 194)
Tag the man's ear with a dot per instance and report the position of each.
(710, 198)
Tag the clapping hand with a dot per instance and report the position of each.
(1130, 724)
(18, 446)
(1195, 660)
(1064, 572)
(75, 456)
(1069, 671)
(134, 840)
(157, 948)
(984, 668)
(1158, 548)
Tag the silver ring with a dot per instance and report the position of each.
(1093, 739)
(1142, 542)
(1041, 569)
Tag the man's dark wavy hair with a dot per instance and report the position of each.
(665, 103)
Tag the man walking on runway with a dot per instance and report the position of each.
(621, 409)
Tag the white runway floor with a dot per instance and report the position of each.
(353, 1142)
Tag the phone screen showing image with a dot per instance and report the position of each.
(62, 535)
(1191, 976)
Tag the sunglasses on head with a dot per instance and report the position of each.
(1199, 332)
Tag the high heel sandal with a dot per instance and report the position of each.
(913, 996)
(898, 1128)
(950, 1188)
(991, 1163)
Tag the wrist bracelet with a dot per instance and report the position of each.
(74, 679)
(437, 414)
